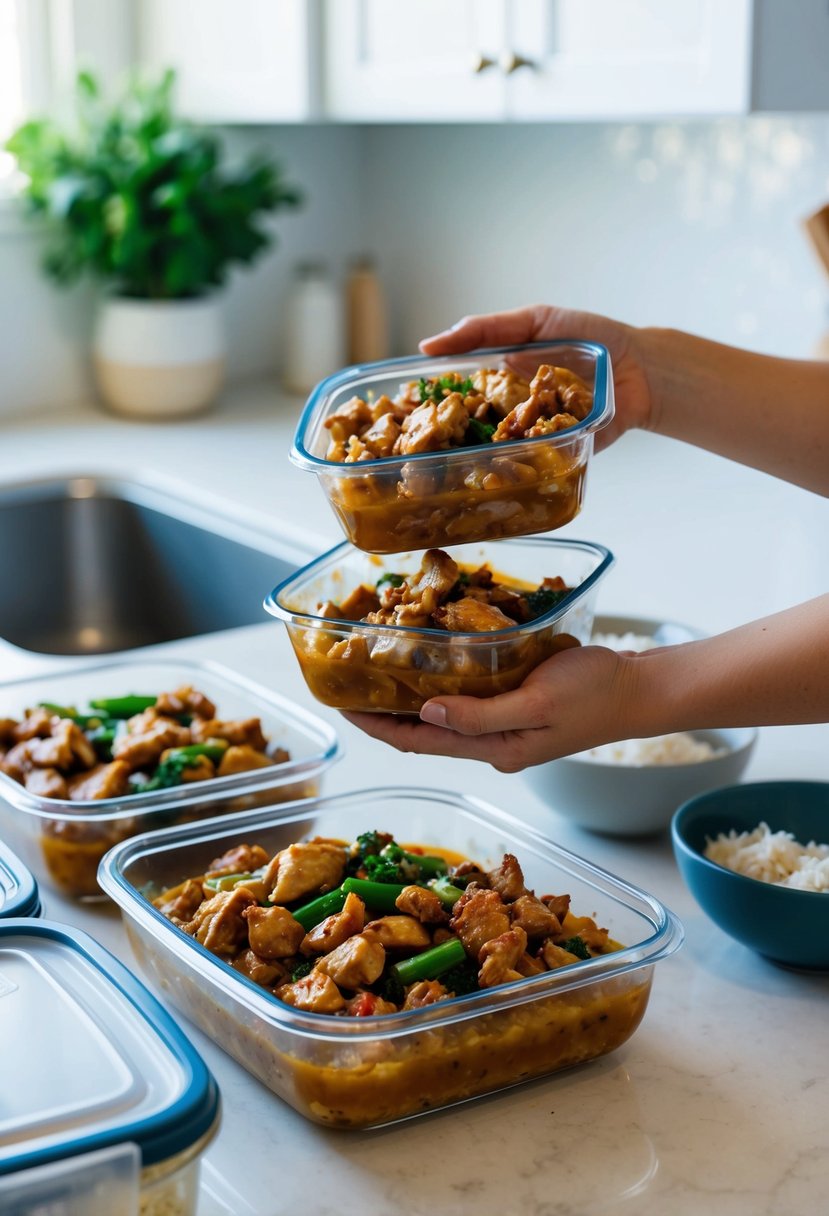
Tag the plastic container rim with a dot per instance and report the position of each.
(197, 791)
(600, 413)
(159, 1136)
(667, 936)
(283, 613)
(26, 900)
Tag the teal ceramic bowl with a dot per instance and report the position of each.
(786, 925)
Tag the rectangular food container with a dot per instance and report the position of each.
(106, 1106)
(483, 492)
(394, 668)
(352, 1072)
(64, 840)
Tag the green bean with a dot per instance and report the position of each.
(325, 905)
(446, 891)
(380, 896)
(123, 707)
(431, 963)
(226, 882)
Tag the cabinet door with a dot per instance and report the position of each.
(400, 60)
(246, 61)
(628, 58)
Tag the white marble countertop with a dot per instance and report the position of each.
(719, 1102)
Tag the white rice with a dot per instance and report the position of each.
(624, 641)
(774, 857)
(680, 748)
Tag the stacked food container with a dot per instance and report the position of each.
(455, 454)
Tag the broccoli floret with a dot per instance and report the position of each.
(439, 387)
(462, 978)
(544, 599)
(302, 969)
(379, 868)
(575, 945)
(395, 580)
(478, 432)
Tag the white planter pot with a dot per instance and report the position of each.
(159, 358)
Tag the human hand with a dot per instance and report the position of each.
(578, 698)
(634, 397)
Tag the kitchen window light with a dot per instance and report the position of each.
(25, 62)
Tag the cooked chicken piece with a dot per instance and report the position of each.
(219, 923)
(423, 905)
(148, 735)
(303, 868)
(46, 783)
(336, 929)
(103, 781)
(384, 405)
(499, 958)
(555, 956)
(518, 421)
(425, 992)
(511, 472)
(559, 390)
(356, 451)
(359, 603)
(534, 917)
(353, 649)
(382, 435)
(549, 426)
(316, 992)
(18, 760)
(527, 966)
(242, 759)
(349, 419)
(239, 860)
(418, 479)
(273, 932)
(478, 917)
(181, 903)
(587, 929)
(508, 879)
(36, 724)
(262, 971)
(7, 728)
(185, 700)
(504, 389)
(436, 577)
(433, 428)
(200, 768)
(356, 963)
(66, 745)
(559, 905)
(471, 871)
(441, 935)
(398, 933)
(243, 731)
(471, 616)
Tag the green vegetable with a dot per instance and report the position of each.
(446, 890)
(123, 707)
(68, 711)
(390, 986)
(140, 199)
(385, 861)
(431, 963)
(478, 432)
(575, 945)
(379, 896)
(462, 978)
(381, 869)
(544, 599)
(171, 769)
(395, 580)
(301, 970)
(102, 739)
(438, 387)
(325, 905)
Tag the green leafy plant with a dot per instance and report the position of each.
(140, 199)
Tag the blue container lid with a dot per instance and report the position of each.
(19, 895)
(91, 1058)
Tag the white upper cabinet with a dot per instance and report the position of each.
(236, 60)
(394, 60)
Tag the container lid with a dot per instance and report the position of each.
(19, 895)
(91, 1059)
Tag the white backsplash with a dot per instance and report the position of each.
(693, 225)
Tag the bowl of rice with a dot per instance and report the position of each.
(633, 787)
(756, 859)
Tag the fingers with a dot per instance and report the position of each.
(495, 329)
(522, 709)
(411, 735)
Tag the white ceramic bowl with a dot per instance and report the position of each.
(638, 800)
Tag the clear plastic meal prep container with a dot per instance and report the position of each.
(395, 668)
(368, 1071)
(434, 499)
(64, 840)
(106, 1107)
(19, 894)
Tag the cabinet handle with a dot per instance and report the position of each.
(481, 62)
(511, 62)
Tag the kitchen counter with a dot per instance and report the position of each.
(718, 1103)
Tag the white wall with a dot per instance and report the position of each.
(694, 225)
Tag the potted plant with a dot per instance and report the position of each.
(142, 202)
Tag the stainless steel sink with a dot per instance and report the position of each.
(92, 565)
